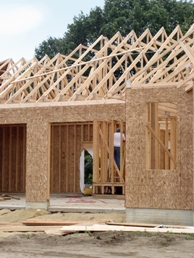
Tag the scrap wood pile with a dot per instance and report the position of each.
(5, 197)
(59, 227)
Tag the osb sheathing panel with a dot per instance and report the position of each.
(37, 161)
(165, 189)
(38, 121)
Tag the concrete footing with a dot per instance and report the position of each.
(160, 216)
(37, 205)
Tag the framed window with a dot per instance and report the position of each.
(161, 136)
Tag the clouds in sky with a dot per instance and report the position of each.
(26, 23)
(19, 19)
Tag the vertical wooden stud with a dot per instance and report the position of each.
(66, 157)
(52, 158)
(121, 150)
(10, 157)
(3, 160)
(24, 157)
(166, 145)
(96, 151)
(152, 124)
(74, 161)
(157, 133)
(111, 157)
(59, 157)
(17, 159)
(148, 138)
(172, 141)
(48, 160)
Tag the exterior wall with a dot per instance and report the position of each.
(38, 120)
(158, 189)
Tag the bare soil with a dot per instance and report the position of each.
(90, 245)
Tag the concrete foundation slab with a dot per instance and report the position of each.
(37, 205)
(67, 203)
(159, 216)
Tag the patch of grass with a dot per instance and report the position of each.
(142, 233)
(170, 233)
(28, 236)
(148, 234)
(189, 236)
(87, 232)
(137, 233)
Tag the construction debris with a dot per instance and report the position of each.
(69, 227)
(5, 197)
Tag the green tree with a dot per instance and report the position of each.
(123, 16)
(51, 47)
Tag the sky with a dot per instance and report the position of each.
(26, 23)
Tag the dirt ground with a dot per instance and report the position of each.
(88, 244)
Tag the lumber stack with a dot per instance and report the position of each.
(68, 227)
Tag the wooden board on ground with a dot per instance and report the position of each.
(9, 228)
(11, 224)
(98, 228)
(31, 222)
(144, 225)
(56, 232)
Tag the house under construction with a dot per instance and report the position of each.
(53, 109)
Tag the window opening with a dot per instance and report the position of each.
(161, 136)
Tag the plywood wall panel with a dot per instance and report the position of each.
(116, 112)
(186, 132)
(37, 161)
(187, 197)
(145, 195)
(185, 155)
(159, 188)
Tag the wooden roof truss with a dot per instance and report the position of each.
(102, 70)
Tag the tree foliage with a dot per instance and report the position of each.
(123, 16)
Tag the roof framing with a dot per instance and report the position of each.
(102, 70)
